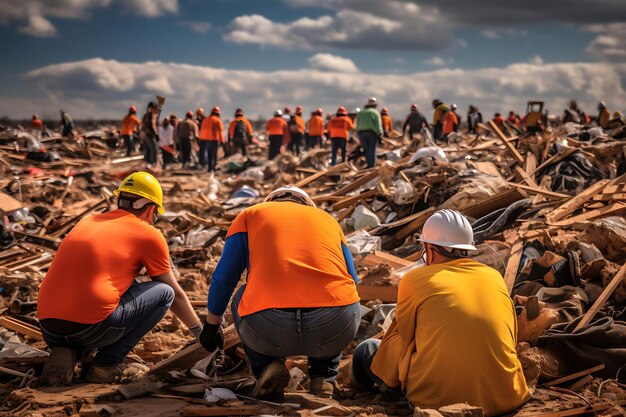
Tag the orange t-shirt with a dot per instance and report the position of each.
(316, 126)
(340, 127)
(296, 258)
(387, 123)
(129, 123)
(233, 124)
(300, 126)
(36, 124)
(276, 126)
(212, 129)
(449, 121)
(96, 263)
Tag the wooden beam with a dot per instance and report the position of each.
(593, 214)
(596, 408)
(576, 202)
(356, 184)
(529, 180)
(576, 375)
(554, 158)
(21, 327)
(537, 190)
(513, 264)
(599, 303)
(320, 174)
(384, 293)
(8, 203)
(503, 199)
(349, 201)
(415, 224)
(503, 138)
(379, 257)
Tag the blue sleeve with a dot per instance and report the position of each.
(349, 262)
(235, 259)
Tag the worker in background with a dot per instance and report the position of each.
(454, 317)
(186, 133)
(36, 123)
(573, 114)
(315, 129)
(90, 299)
(450, 122)
(514, 119)
(440, 111)
(167, 143)
(276, 129)
(339, 128)
(150, 131)
(240, 133)
(300, 294)
(296, 131)
(370, 130)
(498, 120)
(414, 122)
(474, 116)
(386, 121)
(67, 124)
(211, 136)
(199, 116)
(128, 130)
(603, 115)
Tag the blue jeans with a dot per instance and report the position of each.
(129, 141)
(149, 149)
(296, 142)
(274, 147)
(319, 333)
(362, 358)
(369, 140)
(141, 307)
(338, 143)
(203, 153)
(213, 146)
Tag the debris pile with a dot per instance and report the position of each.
(547, 209)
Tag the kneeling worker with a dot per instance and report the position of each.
(300, 297)
(454, 335)
(89, 299)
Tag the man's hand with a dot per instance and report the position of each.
(211, 337)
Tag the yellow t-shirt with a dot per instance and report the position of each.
(454, 339)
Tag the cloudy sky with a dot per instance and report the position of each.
(94, 58)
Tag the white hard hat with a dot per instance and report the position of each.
(453, 107)
(278, 113)
(372, 101)
(290, 190)
(450, 229)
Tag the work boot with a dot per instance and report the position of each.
(271, 384)
(59, 367)
(120, 373)
(322, 388)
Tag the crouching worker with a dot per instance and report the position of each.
(89, 299)
(454, 334)
(300, 297)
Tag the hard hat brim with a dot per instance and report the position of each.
(452, 245)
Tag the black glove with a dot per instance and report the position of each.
(211, 337)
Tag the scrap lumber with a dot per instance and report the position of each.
(384, 293)
(38, 240)
(554, 159)
(498, 201)
(602, 299)
(576, 202)
(194, 352)
(8, 203)
(513, 264)
(529, 180)
(241, 410)
(356, 184)
(320, 174)
(21, 327)
(379, 257)
(349, 201)
(538, 190)
(574, 376)
(415, 224)
(609, 209)
(595, 408)
(504, 140)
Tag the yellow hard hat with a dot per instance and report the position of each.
(144, 185)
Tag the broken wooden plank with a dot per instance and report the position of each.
(8, 203)
(489, 205)
(538, 190)
(599, 303)
(529, 180)
(554, 159)
(576, 202)
(595, 408)
(356, 184)
(349, 201)
(576, 375)
(379, 257)
(609, 209)
(513, 264)
(415, 224)
(21, 327)
(384, 293)
(503, 138)
(320, 174)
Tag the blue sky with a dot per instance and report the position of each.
(485, 52)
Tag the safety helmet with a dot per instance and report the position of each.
(278, 113)
(372, 101)
(143, 184)
(341, 111)
(287, 110)
(450, 229)
(290, 190)
(384, 111)
(200, 111)
(132, 109)
(299, 110)
(602, 105)
(189, 115)
(453, 107)
(413, 107)
(35, 116)
(238, 112)
(216, 110)
(319, 111)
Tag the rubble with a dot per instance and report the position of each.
(547, 209)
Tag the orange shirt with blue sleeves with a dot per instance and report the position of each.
(296, 257)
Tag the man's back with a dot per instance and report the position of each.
(369, 119)
(456, 338)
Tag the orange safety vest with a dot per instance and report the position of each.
(212, 129)
(276, 126)
(316, 126)
(340, 127)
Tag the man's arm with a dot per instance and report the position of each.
(181, 306)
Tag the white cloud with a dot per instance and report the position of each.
(610, 44)
(332, 63)
(197, 26)
(435, 61)
(33, 17)
(104, 88)
(536, 60)
(392, 24)
(39, 26)
(497, 33)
